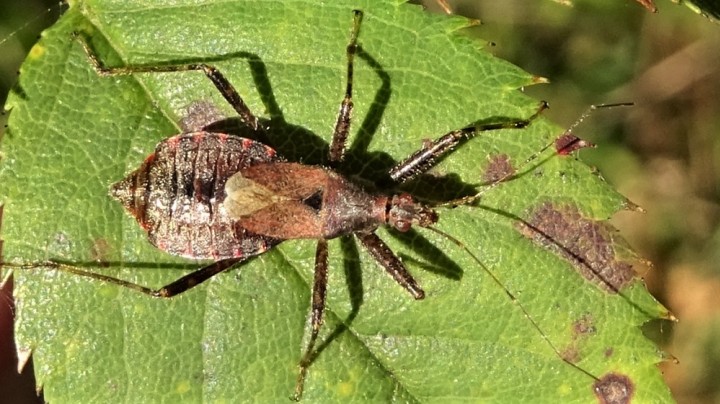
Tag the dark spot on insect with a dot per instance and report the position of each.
(569, 143)
(100, 251)
(199, 115)
(614, 388)
(590, 246)
(499, 169)
(314, 201)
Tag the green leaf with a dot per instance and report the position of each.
(71, 134)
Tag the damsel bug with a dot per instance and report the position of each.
(247, 198)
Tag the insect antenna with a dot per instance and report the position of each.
(512, 297)
(563, 144)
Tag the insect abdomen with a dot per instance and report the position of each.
(176, 195)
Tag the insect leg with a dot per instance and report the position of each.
(318, 308)
(187, 282)
(392, 264)
(342, 126)
(217, 78)
(425, 158)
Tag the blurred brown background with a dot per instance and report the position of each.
(663, 154)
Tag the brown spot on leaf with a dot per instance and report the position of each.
(568, 143)
(584, 326)
(614, 388)
(582, 329)
(609, 352)
(589, 245)
(499, 169)
(571, 354)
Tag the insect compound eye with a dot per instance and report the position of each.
(402, 225)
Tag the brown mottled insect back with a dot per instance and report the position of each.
(177, 196)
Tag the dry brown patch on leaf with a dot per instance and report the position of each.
(614, 388)
(499, 169)
(589, 245)
(582, 329)
(584, 326)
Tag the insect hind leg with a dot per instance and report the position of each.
(174, 288)
(219, 80)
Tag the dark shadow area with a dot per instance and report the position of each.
(435, 259)
(353, 277)
(15, 387)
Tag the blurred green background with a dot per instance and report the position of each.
(663, 154)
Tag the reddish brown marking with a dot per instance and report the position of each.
(609, 352)
(569, 143)
(247, 143)
(149, 159)
(614, 388)
(499, 169)
(199, 137)
(171, 142)
(270, 151)
(589, 245)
